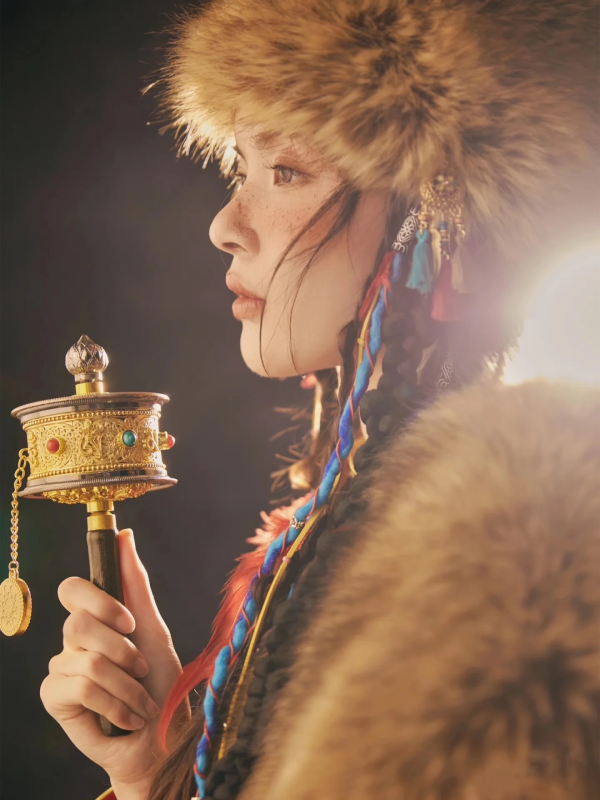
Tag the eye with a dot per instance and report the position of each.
(237, 179)
(285, 175)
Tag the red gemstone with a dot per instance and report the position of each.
(170, 441)
(53, 445)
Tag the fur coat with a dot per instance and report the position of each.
(457, 652)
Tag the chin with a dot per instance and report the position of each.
(277, 362)
(269, 367)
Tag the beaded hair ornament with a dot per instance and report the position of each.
(434, 270)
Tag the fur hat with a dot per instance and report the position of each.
(502, 94)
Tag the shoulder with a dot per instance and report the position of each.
(514, 456)
(489, 490)
(461, 632)
(507, 429)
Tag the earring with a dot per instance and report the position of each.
(438, 261)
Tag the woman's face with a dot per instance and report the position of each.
(281, 184)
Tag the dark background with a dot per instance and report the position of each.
(105, 232)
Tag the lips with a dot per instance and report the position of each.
(246, 305)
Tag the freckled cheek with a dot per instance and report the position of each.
(283, 223)
(277, 228)
(318, 231)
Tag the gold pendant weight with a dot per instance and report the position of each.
(15, 597)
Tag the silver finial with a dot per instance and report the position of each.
(86, 357)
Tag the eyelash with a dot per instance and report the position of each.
(278, 167)
(238, 178)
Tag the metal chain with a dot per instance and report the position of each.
(13, 567)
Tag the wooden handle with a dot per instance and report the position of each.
(105, 573)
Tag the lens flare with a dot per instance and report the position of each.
(561, 336)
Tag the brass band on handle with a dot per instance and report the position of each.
(101, 516)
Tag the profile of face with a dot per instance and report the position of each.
(281, 183)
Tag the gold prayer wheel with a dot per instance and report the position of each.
(94, 447)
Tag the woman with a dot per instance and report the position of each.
(424, 623)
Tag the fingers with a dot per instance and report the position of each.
(82, 631)
(68, 698)
(77, 594)
(114, 681)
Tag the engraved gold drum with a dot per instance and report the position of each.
(95, 446)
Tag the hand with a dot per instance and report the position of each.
(98, 667)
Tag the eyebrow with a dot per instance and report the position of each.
(266, 141)
(262, 141)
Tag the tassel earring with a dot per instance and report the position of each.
(422, 268)
(438, 258)
(446, 305)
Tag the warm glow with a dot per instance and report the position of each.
(561, 337)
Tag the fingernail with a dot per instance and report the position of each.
(125, 624)
(151, 708)
(136, 722)
(140, 668)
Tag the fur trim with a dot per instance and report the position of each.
(457, 654)
(503, 93)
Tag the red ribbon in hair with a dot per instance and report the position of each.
(382, 278)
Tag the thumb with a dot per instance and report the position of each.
(136, 586)
(151, 635)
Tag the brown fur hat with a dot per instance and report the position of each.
(502, 93)
(456, 655)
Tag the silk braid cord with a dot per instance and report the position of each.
(407, 330)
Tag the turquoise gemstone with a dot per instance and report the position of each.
(129, 438)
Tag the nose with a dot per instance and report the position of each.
(232, 230)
